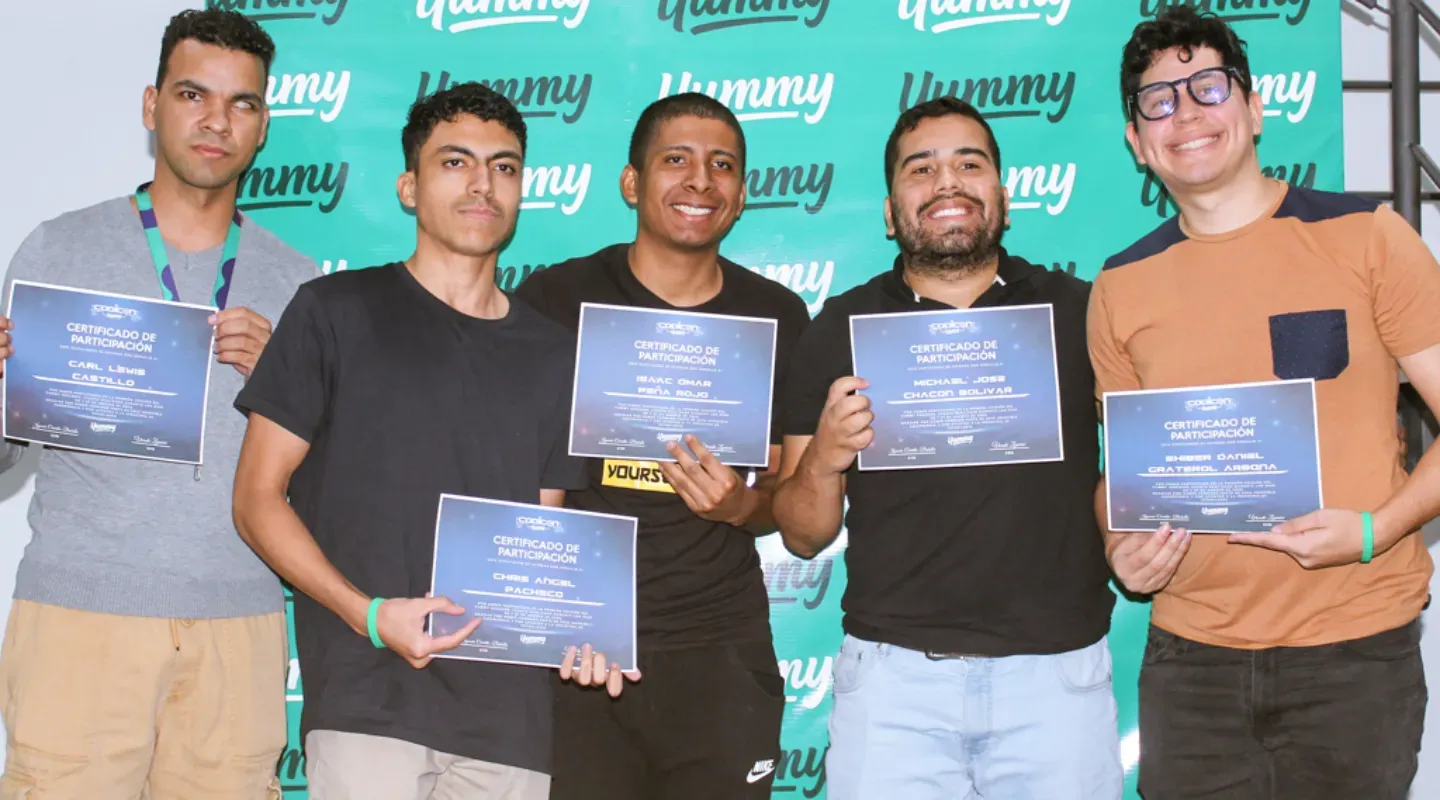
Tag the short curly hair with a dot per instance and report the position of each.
(1185, 28)
(228, 29)
(470, 97)
(687, 104)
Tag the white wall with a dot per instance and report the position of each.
(72, 78)
(1366, 45)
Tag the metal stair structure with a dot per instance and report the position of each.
(1408, 161)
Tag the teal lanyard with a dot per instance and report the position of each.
(223, 276)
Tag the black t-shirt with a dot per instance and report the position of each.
(994, 560)
(699, 582)
(402, 398)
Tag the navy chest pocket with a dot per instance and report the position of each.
(1310, 344)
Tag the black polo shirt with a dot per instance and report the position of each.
(699, 582)
(994, 560)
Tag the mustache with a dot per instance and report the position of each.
(960, 195)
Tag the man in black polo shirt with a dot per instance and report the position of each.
(704, 719)
(977, 605)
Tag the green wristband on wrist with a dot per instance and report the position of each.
(1367, 547)
(370, 623)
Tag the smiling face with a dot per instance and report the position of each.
(947, 208)
(1198, 148)
(466, 186)
(691, 188)
(209, 115)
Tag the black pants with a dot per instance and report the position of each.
(1334, 722)
(701, 724)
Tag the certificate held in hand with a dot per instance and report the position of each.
(108, 373)
(645, 377)
(1212, 459)
(540, 579)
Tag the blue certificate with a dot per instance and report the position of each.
(1212, 459)
(541, 579)
(644, 377)
(108, 373)
(969, 387)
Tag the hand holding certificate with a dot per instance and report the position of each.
(542, 580)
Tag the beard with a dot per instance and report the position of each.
(953, 252)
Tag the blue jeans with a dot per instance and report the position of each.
(1015, 728)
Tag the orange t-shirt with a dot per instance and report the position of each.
(1323, 285)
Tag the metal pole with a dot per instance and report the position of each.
(1405, 109)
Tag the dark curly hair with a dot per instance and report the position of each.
(911, 118)
(228, 29)
(1183, 27)
(687, 104)
(470, 97)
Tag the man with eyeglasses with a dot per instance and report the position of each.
(1283, 664)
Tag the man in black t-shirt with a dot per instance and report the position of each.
(977, 602)
(380, 390)
(704, 720)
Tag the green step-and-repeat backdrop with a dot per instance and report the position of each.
(817, 85)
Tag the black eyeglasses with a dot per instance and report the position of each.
(1208, 87)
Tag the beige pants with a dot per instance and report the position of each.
(354, 766)
(105, 707)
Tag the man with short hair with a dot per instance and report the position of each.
(1281, 664)
(145, 651)
(975, 658)
(704, 721)
(382, 389)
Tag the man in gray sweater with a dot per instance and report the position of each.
(146, 646)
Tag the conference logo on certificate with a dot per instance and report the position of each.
(1236, 458)
(968, 387)
(646, 377)
(540, 579)
(108, 373)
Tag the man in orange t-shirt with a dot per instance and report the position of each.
(1284, 664)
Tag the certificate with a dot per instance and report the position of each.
(108, 373)
(540, 578)
(645, 377)
(1212, 459)
(960, 388)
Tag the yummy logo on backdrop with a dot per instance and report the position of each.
(535, 96)
(789, 187)
(327, 11)
(1292, 11)
(761, 98)
(458, 16)
(1018, 95)
(293, 186)
(547, 187)
(704, 16)
(1040, 186)
(306, 94)
(942, 16)
(809, 279)
(1286, 95)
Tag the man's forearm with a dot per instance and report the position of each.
(272, 529)
(1415, 503)
(758, 516)
(808, 508)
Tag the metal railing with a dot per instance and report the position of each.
(1408, 160)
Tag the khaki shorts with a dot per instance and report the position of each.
(99, 706)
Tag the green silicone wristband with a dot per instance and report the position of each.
(1367, 548)
(370, 623)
